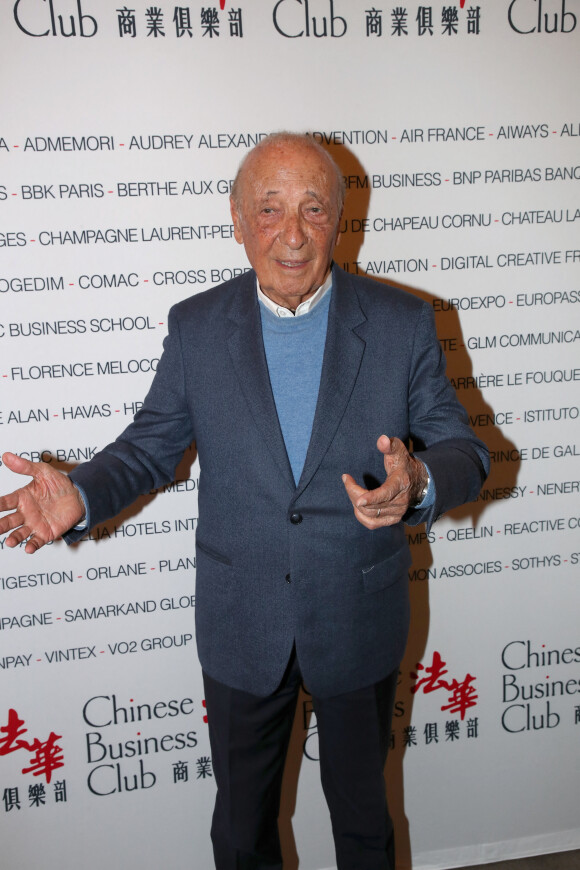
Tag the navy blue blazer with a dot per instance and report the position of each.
(277, 563)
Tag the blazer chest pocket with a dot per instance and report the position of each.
(386, 572)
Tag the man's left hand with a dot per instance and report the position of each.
(386, 505)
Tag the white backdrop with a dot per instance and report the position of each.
(457, 128)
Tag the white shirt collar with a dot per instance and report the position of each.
(303, 308)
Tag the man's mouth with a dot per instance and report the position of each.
(292, 264)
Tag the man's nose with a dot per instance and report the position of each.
(293, 234)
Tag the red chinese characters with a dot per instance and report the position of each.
(463, 694)
(47, 755)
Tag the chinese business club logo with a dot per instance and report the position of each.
(131, 746)
(126, 752)
(37, 18)
(458, 696)
(291, 19)
(462, 694)
(44, 757)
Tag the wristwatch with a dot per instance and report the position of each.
(423, 492)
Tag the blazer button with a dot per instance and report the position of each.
(288, 578)
(295, 518)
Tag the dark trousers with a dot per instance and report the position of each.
(249, 739)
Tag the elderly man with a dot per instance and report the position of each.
(302, 388)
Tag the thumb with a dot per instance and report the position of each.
(385, 444)
(393, 451)
(19, 465)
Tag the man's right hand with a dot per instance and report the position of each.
(44, 509)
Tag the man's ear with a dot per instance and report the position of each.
(237, 222)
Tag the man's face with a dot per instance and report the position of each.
(288, 220)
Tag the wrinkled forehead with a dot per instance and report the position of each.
(284, 168)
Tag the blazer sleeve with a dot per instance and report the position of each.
(439, 425)
(147, 453)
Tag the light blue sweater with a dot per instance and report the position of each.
(294, 350)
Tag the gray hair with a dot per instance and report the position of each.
(284, 137)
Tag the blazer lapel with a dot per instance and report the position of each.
(343, 354)
(246, 347)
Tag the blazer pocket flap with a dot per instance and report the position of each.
(212, 554)
(386, 572)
